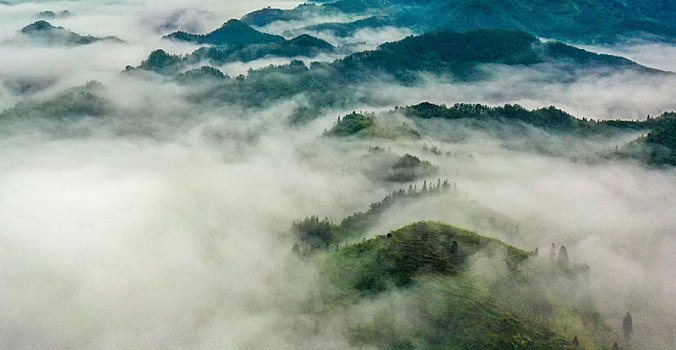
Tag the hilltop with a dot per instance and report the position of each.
(45, 33)
(464, 291)
(231, 33)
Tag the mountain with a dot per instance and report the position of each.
(437, 275)
(232, 33)
(304, 45)
(449, 55)
(578, 20)
(460, 54)
(45, 33)
(76, 102)
(658, 147)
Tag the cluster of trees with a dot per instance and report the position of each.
(350, 124)
(561, 264)
(388, 167)
(315, 233)
(549, 118)
(658, 147)
(45, 33)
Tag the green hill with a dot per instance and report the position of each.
(433, 272)
(232, 33)
(45, 33)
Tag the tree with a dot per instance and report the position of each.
(552, 253)
(627, 326)
(562, 261)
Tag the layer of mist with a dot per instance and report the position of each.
(166, 224)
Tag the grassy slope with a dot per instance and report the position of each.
(455, 306)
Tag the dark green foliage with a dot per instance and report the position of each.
(409, 168)
(365, 125)
(579, 20)
(558, 50)
(451, 55)
(232, 33)
(663, 144)
(313, 231)
(423, 247)
(350, 124)
(159, 61)
(305, 40)
(45, 33)
(658, 147)
(200, 74)
(550, 117)
(444, 52)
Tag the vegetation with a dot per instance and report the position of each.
(350, 124)
(381, 165)
(231, 33)
(316, 234)
(432, 269)
(579, 20)
(549, 118)
(657, 147)
(72, 103)
(45, 33)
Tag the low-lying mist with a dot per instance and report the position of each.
(164, 223)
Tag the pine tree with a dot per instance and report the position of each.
(562, 261)
(552, 254)
(627, 326)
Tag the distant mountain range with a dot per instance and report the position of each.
(446, 54)
(578, 20)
